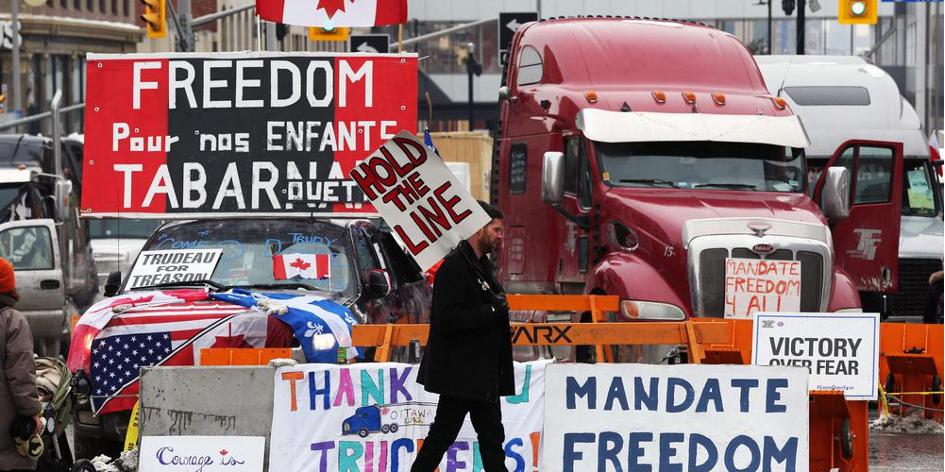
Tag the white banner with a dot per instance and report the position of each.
(840, 350)
(180, 265)
(419, 198)
(334, 418)
(753, 285)
(679, 417)
(201, 453)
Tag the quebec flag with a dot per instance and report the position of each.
(308, 315)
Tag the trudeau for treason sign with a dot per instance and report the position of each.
(187, 134)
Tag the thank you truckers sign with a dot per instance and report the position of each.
(183, 134)
(841, 350)
(418, 196)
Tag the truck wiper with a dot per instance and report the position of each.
(746, 186)
(293, 285)
(649, 181)
(188, 283)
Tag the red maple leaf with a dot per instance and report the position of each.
(300, 264)
(223, 452)
(331, 6)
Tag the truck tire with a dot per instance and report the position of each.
(363, 432)
(83, 465)
(936, 387)
(385, 429)
(394, 427)
(890, 384)
(846, 440)
(88, 447)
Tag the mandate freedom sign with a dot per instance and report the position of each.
(226, 133)
(372, 417)
(753, 285)
(201, 453)
(678, 417)
(840, 350)
(419, 198)
(161, 267)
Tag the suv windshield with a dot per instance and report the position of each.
(249, 247)
(918, 195)
(114, 229)
(703, 165)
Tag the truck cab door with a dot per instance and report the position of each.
(866, 243)
(31, 247)
(574, 259)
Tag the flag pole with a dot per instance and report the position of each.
(400, 38)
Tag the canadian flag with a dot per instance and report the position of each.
(333, 12)
(304, 266)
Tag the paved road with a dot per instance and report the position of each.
(901, 451)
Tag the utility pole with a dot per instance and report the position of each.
(801, 19)
(15, 18)
(472, 68)
(186, 30)
(770, 42)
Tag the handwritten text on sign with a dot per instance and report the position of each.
(761, 285)
(419, 198)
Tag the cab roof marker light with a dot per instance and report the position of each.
(591, 96)
(718, 98)
(689, 97)
(779, 102)
(659, 96)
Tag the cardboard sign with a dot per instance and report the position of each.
(183, 135)
(203, 453)
(365, 417)
(419, 198)
(677, 417)
(753, 285)
(159, 267)
(840, 350)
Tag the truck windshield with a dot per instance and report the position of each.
(918, 195)
(250, 248)
(703, 165)
(116, 229)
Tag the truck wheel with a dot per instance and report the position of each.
(363, 432)
(846, 440)
(385, 429)
(88, 447)
(83, 465)
(394, 427)
(890, 384)
(936, 387)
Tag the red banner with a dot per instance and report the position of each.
(181, 135)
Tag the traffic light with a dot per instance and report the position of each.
(787, 6)
(858, 12)
(154, 18)
(281, 31)
(327, 34)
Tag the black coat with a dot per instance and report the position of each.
(469, 352)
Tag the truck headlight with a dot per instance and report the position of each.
(651, 310)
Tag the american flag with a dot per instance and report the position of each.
(169, 334)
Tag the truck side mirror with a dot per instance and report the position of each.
(62, 192)
(552, 178)
(378, 283)
(504, 92)
(835, 200)
(112, 284)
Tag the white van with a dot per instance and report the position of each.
(841, 97)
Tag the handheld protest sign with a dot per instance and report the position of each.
(177, 135)
(419, 198)
(840, 350)
(179, 265)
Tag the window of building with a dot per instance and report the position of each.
(114, 7)
(64, 4)
(124, 6)
(102, 7)
(76, 5)
(90, 5)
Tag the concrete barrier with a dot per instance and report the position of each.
(209, 401)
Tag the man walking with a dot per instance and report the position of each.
(468, 360)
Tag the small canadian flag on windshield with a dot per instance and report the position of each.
(302, 266)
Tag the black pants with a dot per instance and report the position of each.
(450, 412)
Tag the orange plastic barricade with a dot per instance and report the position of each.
(242, 356)
(595, 304)
(910, 365)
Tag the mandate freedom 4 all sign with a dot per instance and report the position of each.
(419, 198)
(179, 135)
(160, 267)
(678, 417)
(753, 285)
(840, 349)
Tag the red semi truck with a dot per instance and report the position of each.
(637, 157)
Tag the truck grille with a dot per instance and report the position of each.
(913, 286)
(712, 276)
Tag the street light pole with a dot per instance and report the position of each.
(472, 68)
(801, 18)
(15, 18)
(770, 48)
